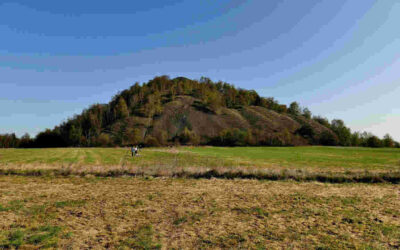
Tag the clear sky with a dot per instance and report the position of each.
(339, 58)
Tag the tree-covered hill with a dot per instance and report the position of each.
(175, 111)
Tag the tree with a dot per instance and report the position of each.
(132, 136)
(287, 138)
(249, 138)
(374, 142)
(307, 113)
(213, 100)
(26, 141)
(306, 131)
(342, 132)
(9, 141)
(49, 139)
(328, 138)
(188, 137)
(121, 109)
(388, 141)
(322, 120)
(364, 136)
(231, 137)
(151, 141)
(75, 134)
(294, 109)
(356, 139)
(104, 140)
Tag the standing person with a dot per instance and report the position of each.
(133, 150)
(136, 151)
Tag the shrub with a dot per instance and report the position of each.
(151, 141)
(388, 141)
(327, 138)
(230, 137)
(306, 131)
(374, 142)
(188, 137)
(104, 140)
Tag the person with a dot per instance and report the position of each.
(136, 151)
(132, 150)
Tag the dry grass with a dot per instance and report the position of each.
(88, 212)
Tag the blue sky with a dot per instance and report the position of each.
(339, 58)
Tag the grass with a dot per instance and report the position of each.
(200, 197)
(96, 212)
(272, 157)
(42, 236)
(316, 157)
(325, 164)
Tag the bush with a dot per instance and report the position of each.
(49, 139)
(328, 139)
(104, 140)
(306, 131)
(374, 142)
(188, 137)
(151, 141)
(230, 137)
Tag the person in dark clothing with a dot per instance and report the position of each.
(133, 150)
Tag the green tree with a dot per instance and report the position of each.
(306, 131)
(388, 141)
(132, 136)
(343, 133)
(104, 140)
(356, 139)
(322, 120)
(287, 137)
(374, 142)
(121, 109)
(151, 141)
(328, 138)
(75, 134)
(294, 109)
(307, 113)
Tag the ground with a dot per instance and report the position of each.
(148, 212)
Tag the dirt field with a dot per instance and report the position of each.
(83, 212)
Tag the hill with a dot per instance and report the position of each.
(175, 111)
(170, 111)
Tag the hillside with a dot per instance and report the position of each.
(167, 111)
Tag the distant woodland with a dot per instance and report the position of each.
(182, 111)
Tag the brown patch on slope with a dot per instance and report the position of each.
(180, 114)
(270, 120)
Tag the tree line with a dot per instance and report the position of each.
(115, 123)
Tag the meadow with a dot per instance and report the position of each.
(332, 164)
(200, 197)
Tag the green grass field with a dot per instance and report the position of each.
(332, 164)
(263, 157)
(260, 197)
